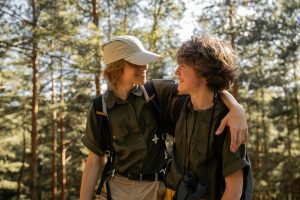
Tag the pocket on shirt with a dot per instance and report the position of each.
(120, 133)
(201, 147)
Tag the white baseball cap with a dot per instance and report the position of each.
(128, 48)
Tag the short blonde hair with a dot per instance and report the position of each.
(113, 72)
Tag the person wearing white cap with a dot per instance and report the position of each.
(137, 139)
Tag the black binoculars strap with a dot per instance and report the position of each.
(187, 149)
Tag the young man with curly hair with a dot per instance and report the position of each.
(206, 66)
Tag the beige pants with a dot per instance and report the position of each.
(124, 189)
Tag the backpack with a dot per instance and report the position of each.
(105, 128)
(247, 171)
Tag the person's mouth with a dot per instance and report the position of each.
(141, 74)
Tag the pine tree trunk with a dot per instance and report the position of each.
(63, 159)
(257, 144)
(109, 20)
(63, 148)
(153, 33)
(23, 156)
(296, 101)
(262, 143)
(95, 13)
(125, 20)
(288, 123)
(232, 39)
(54, 135)
(35, 89)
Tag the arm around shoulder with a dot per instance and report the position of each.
(236, 120)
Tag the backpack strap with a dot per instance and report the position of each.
(150, 97)
(220, 181)
(106, 139)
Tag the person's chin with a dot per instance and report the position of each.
(179, 88)
(141, 82)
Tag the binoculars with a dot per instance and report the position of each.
(190, 188)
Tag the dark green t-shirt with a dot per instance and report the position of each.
(193, 130)
(133, 128)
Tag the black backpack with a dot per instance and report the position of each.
(247, 171)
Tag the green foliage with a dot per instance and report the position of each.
(265, 33)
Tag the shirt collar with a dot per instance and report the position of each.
(110, 97)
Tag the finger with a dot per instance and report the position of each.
(245, 136)
(233, 140)
(221, 127)
(240, 138)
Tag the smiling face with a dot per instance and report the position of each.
(212, 58)
(133, 74)
(189, 81)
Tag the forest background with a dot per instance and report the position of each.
(51, 68)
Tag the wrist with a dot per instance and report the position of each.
(236, 106)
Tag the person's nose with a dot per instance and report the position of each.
(177, 71)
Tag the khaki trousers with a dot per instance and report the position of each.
(124, 189)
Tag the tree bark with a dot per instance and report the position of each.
(109, 20)
(296, 101)
(54, 134)
(125, 19)
(95, 5)
(23, 155)
(153, 34)
(232, 39)
(63, 148)
(35, 89)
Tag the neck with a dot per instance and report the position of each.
(123, 91)
(202, 99)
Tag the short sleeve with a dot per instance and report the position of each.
(92, 137)
(165, 89)
(233, 162)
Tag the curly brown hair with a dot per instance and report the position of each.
(113, 72)
(212, 59)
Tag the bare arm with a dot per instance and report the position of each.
(90, 174)
(234, 186)
(236, 120)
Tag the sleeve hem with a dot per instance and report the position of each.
(239, 164)
(92, 147)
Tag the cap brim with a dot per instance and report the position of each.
(142, 58)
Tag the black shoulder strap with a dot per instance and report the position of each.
(103, 124)
(154, 105)
(106, 139)
(153, 99)
(220, 181)
(218, 148)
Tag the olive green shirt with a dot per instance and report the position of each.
(193, 130)
(134, 129)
